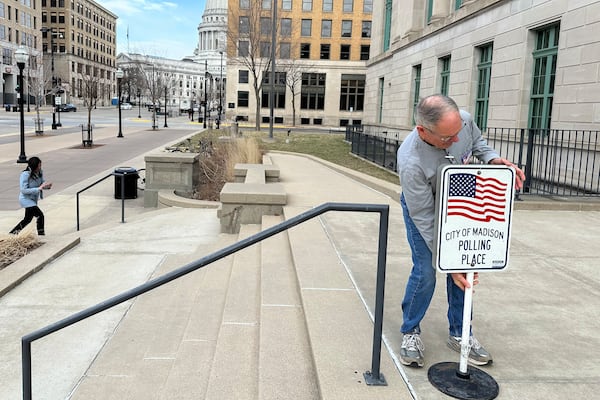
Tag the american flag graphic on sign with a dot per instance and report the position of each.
(477, 198)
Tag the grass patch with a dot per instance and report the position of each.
(327, 146)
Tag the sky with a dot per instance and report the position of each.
(159, 28)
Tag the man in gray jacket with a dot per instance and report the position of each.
(443, 134)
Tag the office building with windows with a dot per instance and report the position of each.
(19, 26)
(320, 61)
(79, 40)
(510, 63)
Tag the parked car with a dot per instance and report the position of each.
(67, 107)
(126, 106)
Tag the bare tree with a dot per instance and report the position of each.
(90, 93)
(250, 38)
(293, 78)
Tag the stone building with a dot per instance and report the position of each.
(211, 49)
(321, 54)
(79, 39)
(184, 80)
(19, 26)
(511, 63)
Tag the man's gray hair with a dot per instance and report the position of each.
(432, 108)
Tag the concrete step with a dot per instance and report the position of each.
(233, 373)
(286, 369)
(164, 346)
(339, 327)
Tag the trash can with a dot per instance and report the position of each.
(130, 176)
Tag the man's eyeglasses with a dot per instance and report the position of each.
(443, 138)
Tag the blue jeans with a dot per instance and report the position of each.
(421, 284)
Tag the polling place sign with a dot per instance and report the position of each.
(474, 205)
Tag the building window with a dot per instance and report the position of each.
(380, 89)
(243, 76)
(265, 49)
(243, 48)
(306, 28)
(352, 92)
(312, 93)
(544, 71)
(368, 6)
(325, 48)
(345, 52)
(285, 50)
(286, 27)
(366, 29)
(347, 28)
(278, 92)
(242, 98)
(364, 52)
(265, 26)
(286, 5)
(348, 5)
(306, 5)
(266, 4)
(305, 50)
(445, 75)
(244, 25)
(457, 4)
(387, 27)
(244, 4)
(484, 74)
(327, 5)
(326, 28)
(429, 10)
(416, 88)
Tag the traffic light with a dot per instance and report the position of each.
(18, 89)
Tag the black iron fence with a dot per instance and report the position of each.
(556, 162)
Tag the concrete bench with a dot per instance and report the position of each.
(256, 173)
(254, 193)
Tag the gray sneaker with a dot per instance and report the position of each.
(412, 350)
(477, 354)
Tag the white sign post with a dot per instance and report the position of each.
(473, 219)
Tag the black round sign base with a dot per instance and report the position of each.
(474, 385)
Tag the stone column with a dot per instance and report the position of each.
(410, 17)
(441, 9)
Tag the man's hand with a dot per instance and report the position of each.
(460, 279)
(520, 178)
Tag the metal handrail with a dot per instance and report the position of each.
(374, 377)
(115, 173)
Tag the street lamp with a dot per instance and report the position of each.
(22, 56)
(166, 126)
(119, 74)
(49, 30)
(205, 94)
(139, 93)
(220, 92)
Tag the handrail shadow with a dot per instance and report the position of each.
(372, 377)
(115, 173)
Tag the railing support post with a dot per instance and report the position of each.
(26, 362)
(375, 377)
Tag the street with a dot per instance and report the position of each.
(71, 121)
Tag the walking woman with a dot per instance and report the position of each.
(32, 185)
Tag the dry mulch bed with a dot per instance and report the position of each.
(13, 247)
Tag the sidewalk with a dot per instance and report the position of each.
(539, 318)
